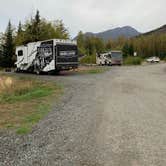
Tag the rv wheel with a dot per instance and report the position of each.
(17, 70)
(57, 72)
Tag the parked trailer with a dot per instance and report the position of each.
(47, 56)
(116, 57)
(103, 59)
(110, 58)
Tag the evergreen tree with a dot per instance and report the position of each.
(125, 50)
(131, 50)
(8, 48)
(1, 52)
(36, 26)
(19, 28)
(60, 30)
(37, 29)
(19, 38)
(81, 43)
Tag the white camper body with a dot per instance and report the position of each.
(103, 59)
(110, 58)
(45, 56)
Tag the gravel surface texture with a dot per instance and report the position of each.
(117, 118)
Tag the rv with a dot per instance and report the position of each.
(110, 58)
(47, 56)
(116, 57)
(103, 59)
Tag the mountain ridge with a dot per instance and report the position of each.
(115, 33)
(125, 31)
(159, 30)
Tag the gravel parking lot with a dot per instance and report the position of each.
(116, 118)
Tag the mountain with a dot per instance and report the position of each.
(159, 30)
(125, 31)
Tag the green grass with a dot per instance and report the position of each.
(23, 130)
(33, 118)
(23, 95)
(133, 61)
(94, 70)
(89, 59)
(41, 111)
(24, 102)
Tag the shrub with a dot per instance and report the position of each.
(89, 59)
(133, 61)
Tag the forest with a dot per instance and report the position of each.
(37, 28)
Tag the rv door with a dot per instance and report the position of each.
(22, 56)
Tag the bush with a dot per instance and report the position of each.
(89, 59)
(133, 61)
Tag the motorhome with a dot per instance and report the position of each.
(47, 56)
(103, 59)
(110, 58)
(116, 58)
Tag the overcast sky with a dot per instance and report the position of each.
(88, 15)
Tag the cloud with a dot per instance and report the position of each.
(88, 15)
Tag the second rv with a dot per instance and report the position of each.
(110, 58)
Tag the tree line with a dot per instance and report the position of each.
(144, 45)
(34, 29)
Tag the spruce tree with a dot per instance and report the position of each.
(8, 47)
(36, 26)
(19, 28)
(81, 43)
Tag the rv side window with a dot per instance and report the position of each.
(20, 53)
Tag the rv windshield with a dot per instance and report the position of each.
(116, 55)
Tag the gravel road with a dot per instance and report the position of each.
(113, 119)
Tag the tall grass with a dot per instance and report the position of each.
(12, 90)
(89, 59)
(133, 60)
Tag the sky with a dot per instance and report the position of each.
(88, 15)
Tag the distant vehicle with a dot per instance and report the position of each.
(110, 58)
(116, 57)
(103, 59)
(153, 60)
(47, 56)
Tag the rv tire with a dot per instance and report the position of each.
(17, 70)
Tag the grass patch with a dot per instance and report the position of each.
(133, 61)
(34, 93)
(92, 70)
(89, 59)
(24, 102)
(23, 130)
(15, 90)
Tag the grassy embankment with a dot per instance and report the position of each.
(89, 59)
(24, 102)
(133, 60)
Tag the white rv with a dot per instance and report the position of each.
(110, 58)
(46, 56)
(103, 59)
